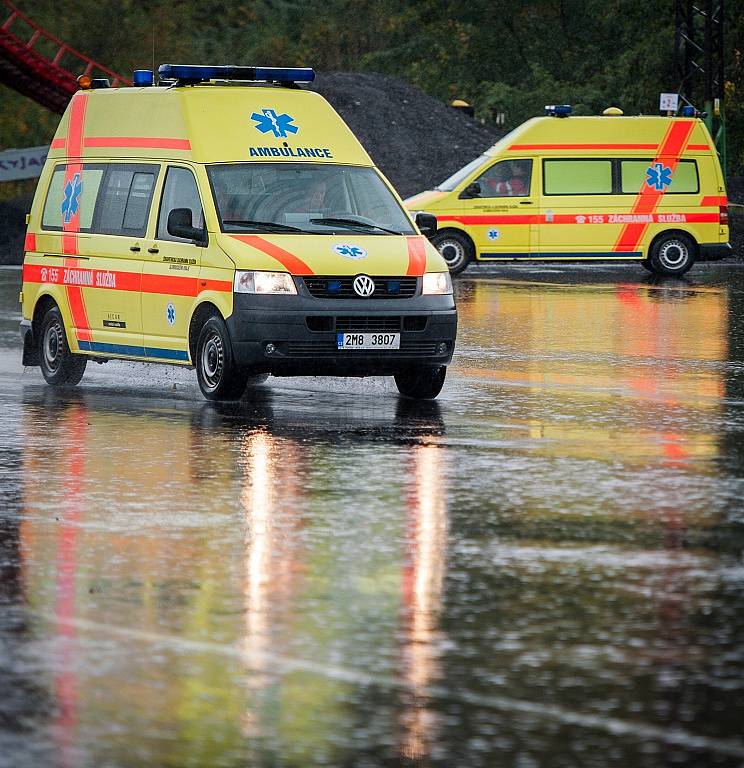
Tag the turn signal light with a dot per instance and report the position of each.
(85, 82)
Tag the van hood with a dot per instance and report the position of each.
(347, 254)
(420, 201)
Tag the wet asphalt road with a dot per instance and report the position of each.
(543, 568)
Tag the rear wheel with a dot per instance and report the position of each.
(421, 382)
(218, 375)
(59, 366)
(672, 254)
(456, 249)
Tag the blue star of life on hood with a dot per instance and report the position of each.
(267, 121)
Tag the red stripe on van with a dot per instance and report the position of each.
(29, 243)
(289, 261)
(695, 147)
(523, 147)
(416, 256)
(58, 143)
(714, 200)
(154, 142)
(649, 198)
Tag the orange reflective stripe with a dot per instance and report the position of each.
(289, 261)
(155, 142)
(29, 243)
(649, 198)
(416, 256)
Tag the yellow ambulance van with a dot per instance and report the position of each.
(228, 220)
(607, 188)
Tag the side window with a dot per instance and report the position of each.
(179, 191)
(509, 178)
(577, 177)
(634, 175)
(125, 198)
(72, 197)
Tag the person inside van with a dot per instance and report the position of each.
(510, 180)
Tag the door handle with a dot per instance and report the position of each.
(135, 248)
(153, 250)
(525, 202)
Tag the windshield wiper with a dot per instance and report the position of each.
(272, 225)
(333, 222)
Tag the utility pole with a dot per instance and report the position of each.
(698, 56)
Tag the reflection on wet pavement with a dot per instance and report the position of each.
(542, 568)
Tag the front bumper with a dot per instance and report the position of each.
(302, 331)
(714, 251)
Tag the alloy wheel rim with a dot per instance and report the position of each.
(452, 252)
(673, 254)
(213, 361)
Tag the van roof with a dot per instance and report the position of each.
(206, 124)
(601, 136)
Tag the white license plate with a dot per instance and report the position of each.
(368, 340)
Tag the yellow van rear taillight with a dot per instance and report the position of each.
(723, 215)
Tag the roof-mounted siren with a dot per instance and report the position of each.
(191, 74)
(142, 78)
(558, 110)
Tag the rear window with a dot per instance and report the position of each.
(633, 176)
(577, 177)
(72, 195)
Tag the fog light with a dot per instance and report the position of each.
(442, 348)
(270, 349)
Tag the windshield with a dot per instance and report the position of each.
(452, 182)
(302, 198)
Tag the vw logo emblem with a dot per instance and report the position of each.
(364, 285)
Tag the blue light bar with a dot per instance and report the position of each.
(194, 73)
(688, 111)
(558, 110)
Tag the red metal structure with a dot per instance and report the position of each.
(39, 65)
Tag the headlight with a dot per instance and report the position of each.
(437, 282)
(264, 282)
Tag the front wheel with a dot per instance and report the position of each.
(455, 248)
(59, 366)
(218, 375)
(421, 382)
(672, 254)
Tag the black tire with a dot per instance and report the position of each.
(59, 366)
(455, 248)
(646, 264)
(421, 382)
(672, 254)
(218, 375)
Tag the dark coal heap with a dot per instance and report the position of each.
(414, 139)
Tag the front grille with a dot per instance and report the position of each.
(361, 323)
(328, 349)
(342, 287)
(349, 324)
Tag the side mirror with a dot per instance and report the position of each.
(179, 225)
(427, 223)
(472, 190)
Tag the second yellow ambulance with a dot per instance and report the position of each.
(607, 188)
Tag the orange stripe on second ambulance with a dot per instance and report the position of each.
(649, 198)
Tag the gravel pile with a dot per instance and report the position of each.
(414, 139)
